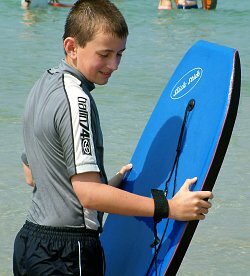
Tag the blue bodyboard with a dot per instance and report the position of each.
(209, 76)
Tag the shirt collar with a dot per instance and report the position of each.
(85, 84)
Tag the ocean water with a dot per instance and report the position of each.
(31, 42)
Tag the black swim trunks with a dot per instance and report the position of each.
(187, 7)
(43, 250)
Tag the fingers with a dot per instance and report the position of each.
(202, 209)
(202, 194)
(205, 204)
(201, 213)
(205, 195)
(125, 169)
(200, 217)
(117, 179)
(189, 182)
(190, 205)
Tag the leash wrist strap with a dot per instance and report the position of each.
(161, 205)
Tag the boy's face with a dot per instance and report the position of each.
(100, 57)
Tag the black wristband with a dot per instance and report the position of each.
(161, 205)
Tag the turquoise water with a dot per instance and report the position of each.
(31, 42)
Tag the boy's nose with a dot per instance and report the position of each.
(114, 64)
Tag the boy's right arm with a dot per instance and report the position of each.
(28, 175)
(184, 206)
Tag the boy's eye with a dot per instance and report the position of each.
(103, 54)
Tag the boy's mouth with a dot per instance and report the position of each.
(106, 74)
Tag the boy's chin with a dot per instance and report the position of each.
(101, 82)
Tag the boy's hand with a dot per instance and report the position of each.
(117, 179)
(187, 205)
(125, 169)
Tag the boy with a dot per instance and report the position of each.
(63, 157)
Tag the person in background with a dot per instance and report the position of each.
(36, 3)
(63, 155)
(165, 5)
(25, 3)
(181, 4)
(187, 4)
(209, 4)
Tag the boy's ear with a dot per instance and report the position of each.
(70, 47)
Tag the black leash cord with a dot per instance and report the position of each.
(157, 241)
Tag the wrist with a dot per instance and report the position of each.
(170, 209)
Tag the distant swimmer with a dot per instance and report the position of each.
(25, 3)
(51, 2)
(37, 3)
(165, 5)
(192, 4)
(34, 3)
(209, 4)
(187, 4)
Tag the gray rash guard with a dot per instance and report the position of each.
(62, 137)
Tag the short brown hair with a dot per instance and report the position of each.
(88, 17)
